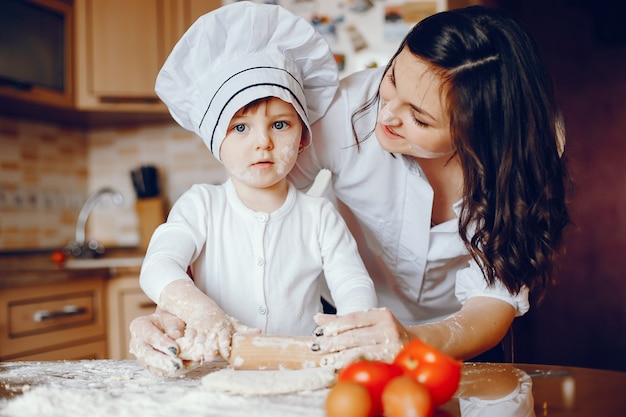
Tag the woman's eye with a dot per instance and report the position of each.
(240, 128)
(419, 122)
(280, 125)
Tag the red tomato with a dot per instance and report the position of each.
(373, 375)
(437, 371)
(405, 397)
(57, 257)
(349, 399)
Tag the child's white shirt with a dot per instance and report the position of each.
(265, 269)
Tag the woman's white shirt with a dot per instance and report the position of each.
(421, 273)
(261, 268)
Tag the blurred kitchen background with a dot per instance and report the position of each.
(64, 138)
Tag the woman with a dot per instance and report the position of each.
(449, 161)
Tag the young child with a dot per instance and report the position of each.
(249, 79)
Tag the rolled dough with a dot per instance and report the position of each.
(265, 382)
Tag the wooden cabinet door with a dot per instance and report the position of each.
(124, 47)
(120, 49)
(51, 317)
(180, 14)
(91, 350)
(199, 7)
(121, 46)
(126, 301)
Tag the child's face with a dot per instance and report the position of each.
(262, 143)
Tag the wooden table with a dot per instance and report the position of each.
(123, 388)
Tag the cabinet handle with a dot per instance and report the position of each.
(147, 304)
(67, 311)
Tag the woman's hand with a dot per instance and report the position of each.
(153, 342)
(373, 334)
(376, 334)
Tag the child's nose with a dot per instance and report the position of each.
(264, 140)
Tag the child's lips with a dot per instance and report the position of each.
(262, 164)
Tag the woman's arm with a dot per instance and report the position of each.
(480, 325)
(377, 335)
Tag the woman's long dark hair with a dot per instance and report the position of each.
(508, 135)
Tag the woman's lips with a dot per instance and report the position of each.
(389, 132)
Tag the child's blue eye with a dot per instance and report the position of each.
(280, 125)
(240, 128)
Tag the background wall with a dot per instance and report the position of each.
(48, 171)
(43, 177)
(583, 320)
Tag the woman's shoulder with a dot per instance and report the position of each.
(362, 83)
(334, 131)
(313, 203)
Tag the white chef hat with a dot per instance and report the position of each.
(240, 53)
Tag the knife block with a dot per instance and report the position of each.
(150, 214)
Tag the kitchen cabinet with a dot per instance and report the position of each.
(196, 8)
(55, 320)
(115, 50)
(120, 47)
(125, 301)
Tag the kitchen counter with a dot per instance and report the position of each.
(27, 268)
(98, 388)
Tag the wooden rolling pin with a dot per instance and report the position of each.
(270, 352)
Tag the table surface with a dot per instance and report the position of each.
(97, 388)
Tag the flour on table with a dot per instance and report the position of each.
(101, 388)
(266, 382)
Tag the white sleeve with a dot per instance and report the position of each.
(174, 245)
(350, 285)
(332, 134)
(470, 282)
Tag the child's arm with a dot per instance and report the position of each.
(350, 285)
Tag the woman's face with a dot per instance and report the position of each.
(413, 119)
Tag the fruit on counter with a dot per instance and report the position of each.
(419, 380)
(405, 397)
(435, 370)
(58, 257)
(349, 399)
(373, 375)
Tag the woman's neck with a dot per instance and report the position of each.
(446, 178)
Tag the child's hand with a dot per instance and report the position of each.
(152, 341)
(208, 336)
(208, 328)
